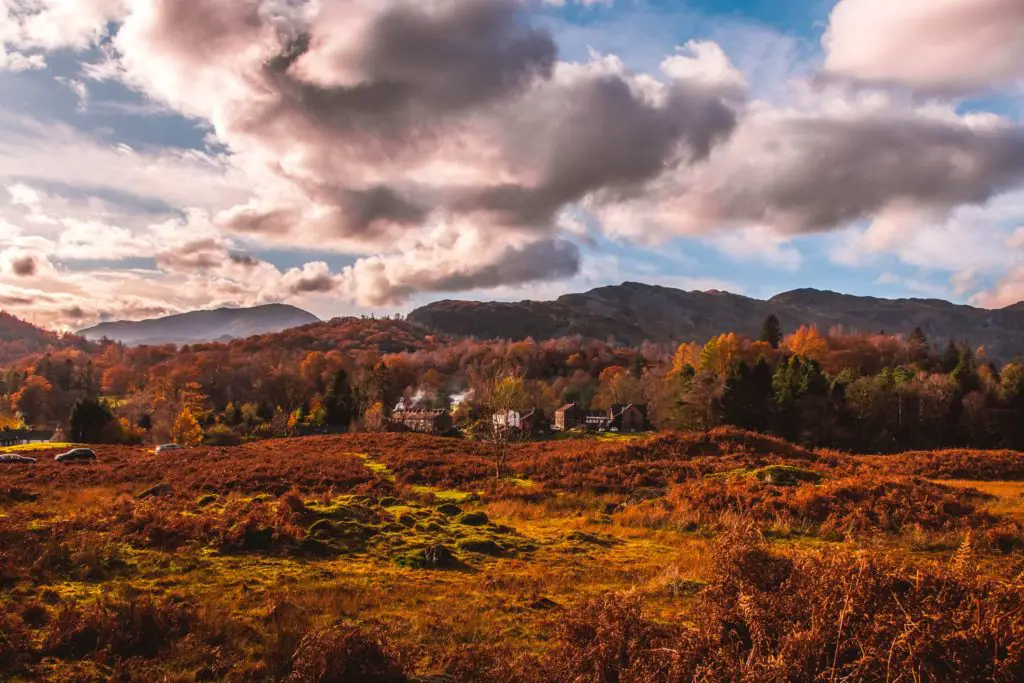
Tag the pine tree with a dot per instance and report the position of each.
(917, 339)
(771, 333)
(739, 404)
(950, 358)
(89, 420)
(339, 403)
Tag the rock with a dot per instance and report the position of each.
(449, 510)
(590, 539)
(785, 475)
(163, 489)
(483, 546)
(258, 539)
(438, 556)
(294, 503)
(389, 502)
(544, 604)
(408, 521)
(643, 494)
(314, 546)
(323, 528)
(474, 519)
(208, 499)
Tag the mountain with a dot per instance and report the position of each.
(19, 338)
(221, 324)
(632, 313)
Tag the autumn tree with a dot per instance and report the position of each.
(504, 392)
(33, 400)
(312, 369)
(808, 343)
(771, 331)
(720, 354)
(618, 387)
(186, 430)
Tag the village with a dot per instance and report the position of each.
(531, 423)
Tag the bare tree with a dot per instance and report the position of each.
(502, 400)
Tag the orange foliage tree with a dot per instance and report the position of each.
(809, 343)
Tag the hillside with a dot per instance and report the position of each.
(632, 313)
(616, 559)
(19, 338)
(222, 324)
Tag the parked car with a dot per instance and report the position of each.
(15, 459)
(77, 455)
(168, 447)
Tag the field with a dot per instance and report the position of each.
(679, 557)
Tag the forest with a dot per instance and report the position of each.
(848, 390)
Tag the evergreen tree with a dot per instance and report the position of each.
(339, 403)
(917, 338)
(771, 333)
(950, 358)
(739, 400)
(636, 367)
(89, 420)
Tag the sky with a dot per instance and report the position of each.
(370, 156)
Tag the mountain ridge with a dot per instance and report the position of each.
(194, 327)
(632, 313)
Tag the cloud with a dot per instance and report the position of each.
(29, 26)
(24, 263)
(457, 258)
(1009, 290)
(379, 114)
(928, 44)
(445, 143)
(828, 164)
(704, 62)
(759, 243)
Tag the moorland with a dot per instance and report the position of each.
(716, 555)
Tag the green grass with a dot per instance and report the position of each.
(30, 447)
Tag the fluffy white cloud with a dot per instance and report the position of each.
(457, 257)
(446, 143)
(928, 44)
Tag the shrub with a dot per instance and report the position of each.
(842, 616)
(221, 435)
(343, 654)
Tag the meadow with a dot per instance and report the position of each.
(714, 556)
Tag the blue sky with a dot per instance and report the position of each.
(131, 189)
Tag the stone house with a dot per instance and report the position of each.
(568, 417)
(423, 421)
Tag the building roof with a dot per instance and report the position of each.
(566, 407)
(417, 414)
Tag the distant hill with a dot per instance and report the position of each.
(222, 324)
(632, 313)
(19, 338)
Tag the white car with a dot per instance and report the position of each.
(168, 447)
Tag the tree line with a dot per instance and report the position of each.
(864, 392)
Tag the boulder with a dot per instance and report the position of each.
(449, 510)
(154, 491)
(474, 519)
(438, 556)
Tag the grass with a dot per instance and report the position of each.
(284, 555)
(33, 447)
